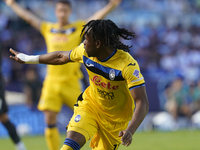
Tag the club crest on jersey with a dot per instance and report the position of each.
(136, 73)
(112, 74)
(77, 118)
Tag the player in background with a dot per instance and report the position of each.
(103, 111)
(62, 83)
(4, 116)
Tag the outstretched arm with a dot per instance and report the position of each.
(105, 10)
(24, 14)
(142, 108)
(54, 58)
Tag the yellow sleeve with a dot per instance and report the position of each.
(132, 74)
(77, 53)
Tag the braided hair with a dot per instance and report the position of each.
(108, 32)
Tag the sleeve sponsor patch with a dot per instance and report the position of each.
(136, 73)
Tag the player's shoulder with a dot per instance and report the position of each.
(78, 22)
(80, 48)
(48, 23)
(126, 60)
(125, 56)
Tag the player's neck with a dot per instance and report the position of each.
(63, 24)
(105, 54)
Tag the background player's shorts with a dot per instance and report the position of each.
(3, 105)
(55, 94)
(104, 134)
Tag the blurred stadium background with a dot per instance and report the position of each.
(166, 46)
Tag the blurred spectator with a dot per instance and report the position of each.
(166, 43)
(163, 41)
(176, 103)
(62, 83)
(182, 99)
(4, 117)
(194, 93)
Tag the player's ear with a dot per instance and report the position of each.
(98, 43)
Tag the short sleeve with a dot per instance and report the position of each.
(132, 75)
(77, 53)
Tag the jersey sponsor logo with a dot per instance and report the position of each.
(89, 65)
(77, 118)
(59, 38)
(131, 64)
(105, 94)
(112, 74)
(136, 73)
(97, 81)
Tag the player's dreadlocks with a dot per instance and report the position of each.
(108, 31)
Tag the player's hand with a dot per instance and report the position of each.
(15, 56)
(126, 137)
(9, 2)
(116, 3)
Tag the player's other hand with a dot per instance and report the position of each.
(115, 2)
(9, 2)
(14, 56)
(126, 137)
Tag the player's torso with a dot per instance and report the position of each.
(63, 39)
(108, 88)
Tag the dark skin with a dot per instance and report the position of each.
(96, 48)
(62, 13)
(101, 52)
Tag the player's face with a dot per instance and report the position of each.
(90, 46)
(62, 12)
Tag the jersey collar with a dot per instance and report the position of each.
(113, 53)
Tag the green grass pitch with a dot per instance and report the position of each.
(179, 140)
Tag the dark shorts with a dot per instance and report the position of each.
(3, 105)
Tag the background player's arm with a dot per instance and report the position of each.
(24, 14)
(142, 107)
(54, 58)
(105, 10)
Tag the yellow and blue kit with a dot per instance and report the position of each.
(62, 83)
(106, 106)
